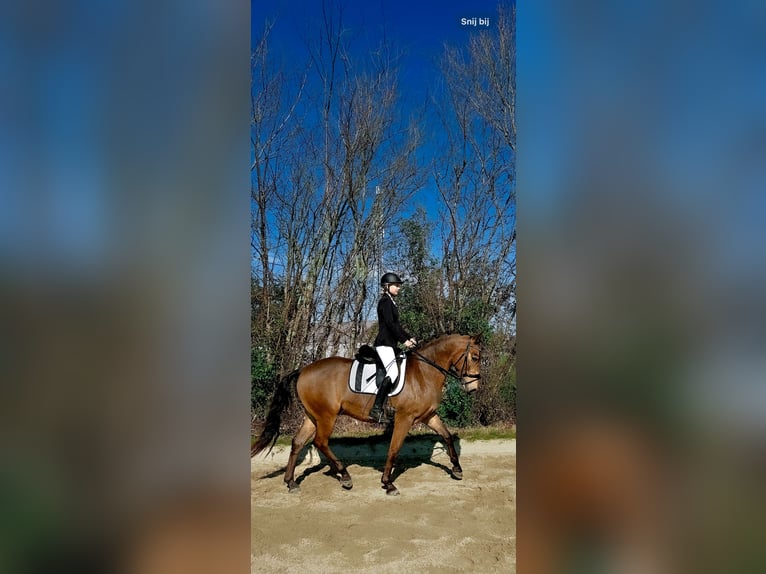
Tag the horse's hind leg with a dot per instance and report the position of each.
(402, 426)
(437, 425)
(324, 429)
(301, 438)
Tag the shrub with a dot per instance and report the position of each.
(262, 381)
(456, 406)
(495, 402)
(508, 393)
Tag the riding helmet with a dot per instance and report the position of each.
(390, 278)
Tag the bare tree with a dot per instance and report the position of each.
(323, 141)
(475, 180)
(474, 175)
(364, 144)
(273, 107)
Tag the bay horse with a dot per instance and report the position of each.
(323, 390)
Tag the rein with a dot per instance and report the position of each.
(451, 372)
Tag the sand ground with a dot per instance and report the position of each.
(437, 524)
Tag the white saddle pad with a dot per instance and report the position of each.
(367, 385)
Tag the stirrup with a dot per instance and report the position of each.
(376, 415)
(383, 415)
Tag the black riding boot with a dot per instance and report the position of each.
(377, 412)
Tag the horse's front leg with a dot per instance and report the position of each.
(436, 424)
(401, 428)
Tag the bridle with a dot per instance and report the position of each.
(463, 374)
(464, 378)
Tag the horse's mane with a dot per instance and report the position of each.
(437, 342)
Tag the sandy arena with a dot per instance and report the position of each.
(437, 524)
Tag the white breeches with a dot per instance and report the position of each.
(388, 357)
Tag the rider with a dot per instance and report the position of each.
(390, 332)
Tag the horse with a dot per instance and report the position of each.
(323, 390)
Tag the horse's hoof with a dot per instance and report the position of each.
(391, 490)
(457, 474)
(347, 484)
(293, 488)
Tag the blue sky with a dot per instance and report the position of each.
(420, 26)
(418, 29)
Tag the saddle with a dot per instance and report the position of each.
(367, 355)
(368, 366)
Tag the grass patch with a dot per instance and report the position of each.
(486, 433)
(473, 433)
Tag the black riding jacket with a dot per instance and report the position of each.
(390, 332)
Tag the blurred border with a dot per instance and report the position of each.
(641, 274)
(124, 272)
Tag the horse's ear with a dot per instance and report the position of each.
(478, 337)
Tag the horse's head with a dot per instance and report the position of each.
(467, 365)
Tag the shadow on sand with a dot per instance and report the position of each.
(371, 452)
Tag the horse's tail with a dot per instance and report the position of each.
(283, 395)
